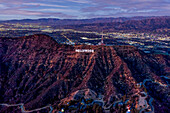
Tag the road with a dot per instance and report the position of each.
(151, 99)
(101, 100)
(120, 101)
(27, 111)
(150, 103)
(154, 82)
(165, 77)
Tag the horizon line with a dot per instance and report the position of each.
(80, 18)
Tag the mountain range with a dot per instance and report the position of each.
(60, 22)
(152, 24)
(158, 24)
(37, 71)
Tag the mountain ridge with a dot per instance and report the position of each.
(143, 25)
(56, 21)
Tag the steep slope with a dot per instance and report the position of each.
(37, 71)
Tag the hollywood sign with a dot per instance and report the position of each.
(84, 50)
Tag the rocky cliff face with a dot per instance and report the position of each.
(37, 71)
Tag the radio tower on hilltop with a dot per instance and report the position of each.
(101, 43)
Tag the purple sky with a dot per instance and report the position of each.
(81, 9)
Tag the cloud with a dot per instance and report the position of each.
(79, 1)
(60, 10)
(42, 4)
(32, 9)
(13, 2)
(3, 6)
(127, 8)
(35, 13)
(128, 4)
(84, 8)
